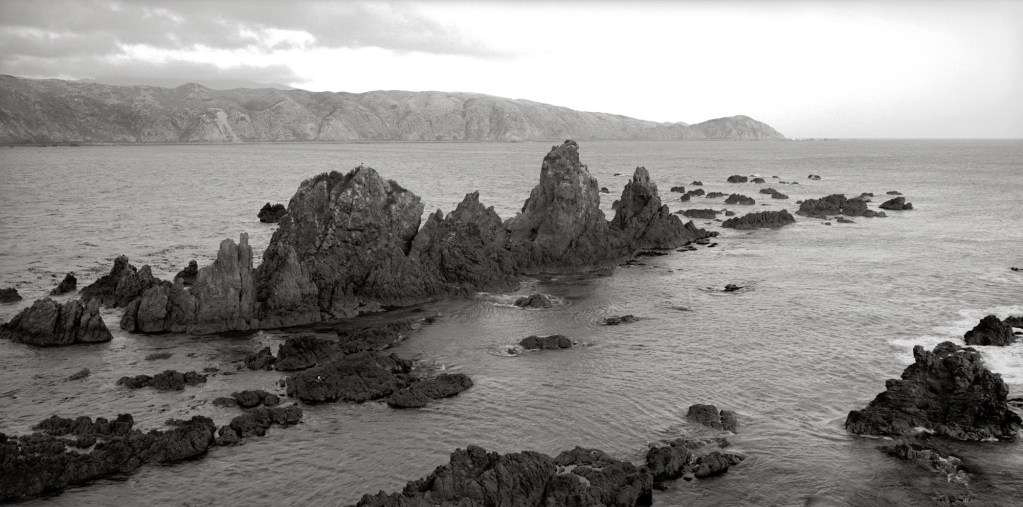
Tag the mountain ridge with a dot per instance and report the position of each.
(54, 110)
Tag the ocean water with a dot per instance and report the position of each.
(828, 313)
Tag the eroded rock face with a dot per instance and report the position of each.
(475, 477)
(644, 222)
(990, 331)
(271, 214)
(760, 220)
(123, 284)
(68, 284)
(948, 391)
(48, 323)
(561, 227)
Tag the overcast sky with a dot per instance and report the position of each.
(810, 69)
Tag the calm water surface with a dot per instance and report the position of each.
(829, 313)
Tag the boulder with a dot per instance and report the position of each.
(123, 284)
(897, 204)
(68, 284)
(715, 195)
(552, 342)
(48, 323)
(255, 422)
(272, 214)
(359, 377)
(475, 477)
(9, 295)
(534, 301)
(80, 374)
(708, 214)
(696, 183)
(757, 180)
(616, 320)
(189, 274)
(1014, 321)
(735, 178)
(708, 415)
(893, 192)
(678, 189)
(604, 190)
(262, 359)
(948, 391)
(732, 287)
(740, 199)
(814, 177)
(773, 193)
(760, 220)
(254, 398)
(646, 223)
(990, 331)
(836, 204)
(168, 380)
(420, 393)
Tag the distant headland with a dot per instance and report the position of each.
(41, 111)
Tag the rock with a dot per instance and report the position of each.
(701, 213)
(624, 319)
(836, 204)
(9, 295)
(740, 199)
(254, 398)
(225, 402)
(714, 463)
(534, 301)
(1016, 269)
(735, 178)
(928, 459)
(757, 180)
(119, 287)
(691, 193)
(49, 324)
(68, 284)
(760, 220)
(561, 227)
(729, 213)
(38, 464)
(696, 183)
(475, 477)
(189, 274)
(158, 355)
(272, 214)
(306, 351)
(604, 190)
(773, 193)
(261, 360)
(1014, 321)
(377, 337)
(990, 331)
(84, 372)
(689, 459)
(645, 223)
(814, 177)
(678, 189)
(667, 463)
(843, 220)
(708, 415)
(358, 377)
(420, 393)
(168, 380)
(894, 192)
(897, 204)
(552, 342)
(732, 287)
(255, 422)
(715, 195)
(947, 391)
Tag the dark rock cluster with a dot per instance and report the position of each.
(760, 220)
(189, 274)
(255, 422)
(616, 320)
(419, 394)
(740, 199)
(897, 204)
(708, 415)
(9, 295)
(691, 193)
(715, 195)
(551, 342)
(68, 284)
(701, 213)
(991, 331)
(836, 204)
(168, 380)
(123, 284)
(773, 193)
(735, 178)
(534, 301)
(271, 214)
(48, 323)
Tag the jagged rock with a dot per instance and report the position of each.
(1014, 321)
(420, 393)
(561, 227)
(358, 377)
(9, 295)
(990, 331)
(255, 422)
(714, 463)
(645, 223)
(678, 189)
(760, 220)
(189, 274)
(714, 195)
(301, 352)
(260, 360)
(34, 465)
(534, 301)
(168, 380)
(47, 323)
(68, 284)
(814, 177)
(701, 213)
(272, 214)
(552, 342)
(475, 477)
(948, 391)
(708, 415)
(929, 459)
(80, 374)
(377, 337)
(624, 319)
(740, 199)
(696, 183)
(897, 204)
(735, 178)
(255, 398)
(732, 287)
(123, 284)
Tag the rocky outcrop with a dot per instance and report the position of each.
(740, 199)
(990, 331)
(678, 189)
(255, 422)
(68, 284)
(168, 380)
(377, 337)
(189, 274)
(948, 391)
(9, 295)
(48, 323)
(419, 394)
(773, 193)
(260, 360)
(475, 477)
(251, 398)
(689, 459)
(617, 320)
(535, 301)
(561, 227)
(358, 377)
(714, 195)
(835, 204)
(897, 204)
(271, 214)
(123, 284)
(708, 415)
(44, 463)
(708, 214)
(645, 223)
(735, 178)
(760, 220)
(301, 352)
(551, 342)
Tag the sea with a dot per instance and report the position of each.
(827, 313)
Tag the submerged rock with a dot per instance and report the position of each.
(948, 391)
(708, 214)
(552, 342)
(272, 214)
(123, 284)
(624, 319)
(475, 477)
(732, 287)
(990, 331)
(740, 199)
(254, 398)
(80, 374)
(48, 323)
(715, 195)
(420, 393)
(757, 180)
(897, 204)
(814, 177)
(534, 301)
(760, 220)
(168, 380)
(678, 189)
(189, 274)
(68, 284)
(836, 204)
(9, 295)
(773, 193)
(893, 192)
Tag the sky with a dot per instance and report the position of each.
(824, 69)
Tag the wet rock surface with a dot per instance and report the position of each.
(735, 178)
(121, 285)
(740, 199)
(551, 342)
(359, 377)
(419, 394)
(255, 423)
(262, 359)
(760, 220)
(271, 214)
(617, 320)
(301, 352)
(708, 214)
(254, 398)
(534, 301)
(189, 274)
(948, 391)
(9, 295)
(897, 204)
(836, 204)
(68, 284)
(710, 416)
(990, 331)
(48, 323)
(168, 380)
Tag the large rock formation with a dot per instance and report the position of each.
(835, 204)
(475, 477)
(947, 391)
(990, 331)
(897, 204)
(760, 220)
(48, 323)
(123, 284)
(68, 284)
(645, 223)
(356, 378)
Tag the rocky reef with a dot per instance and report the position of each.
(708, 415)
(168, 380)
(836, 204)
(123, 284)
(990, 331)
(897, 204)
(760, 220)
(948, 391)
(48, 323)
(551, 342)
